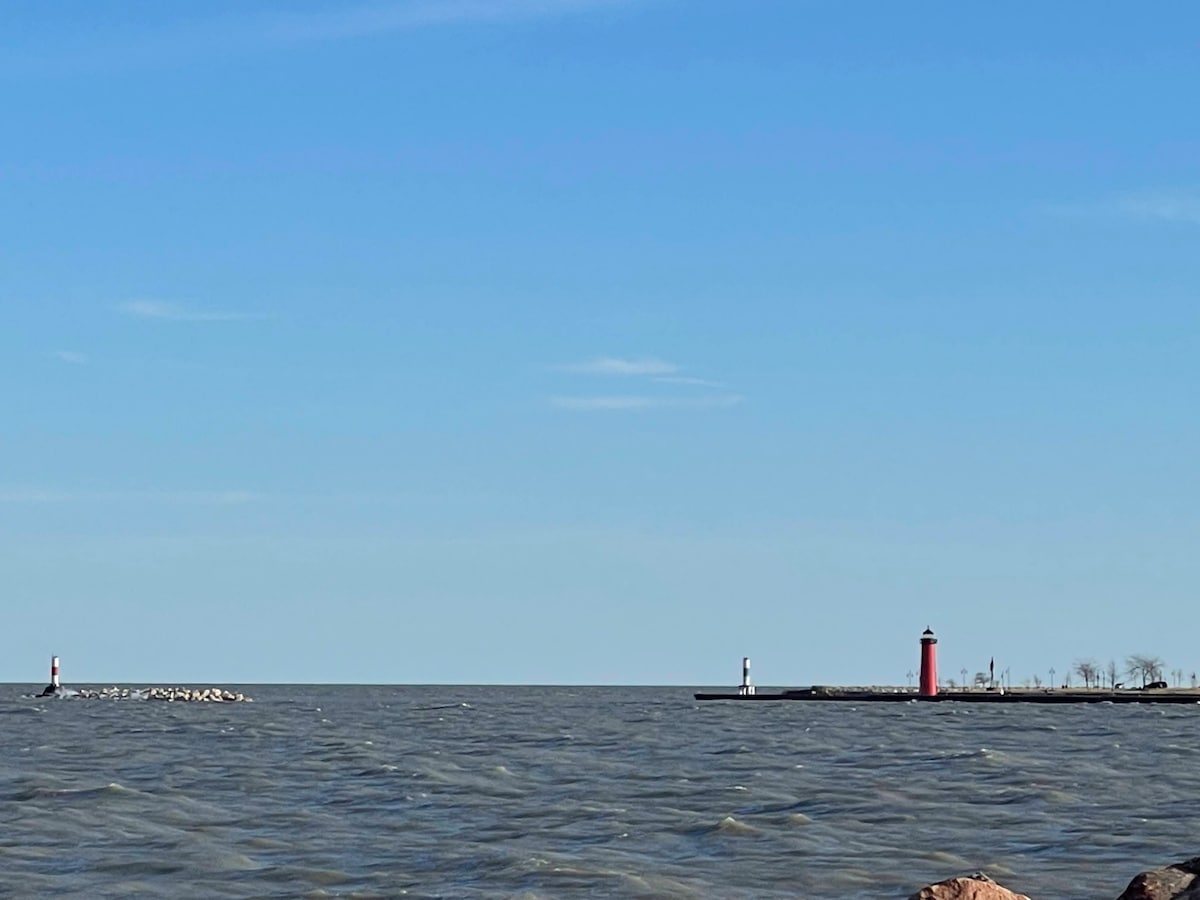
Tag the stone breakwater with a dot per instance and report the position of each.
(169, 694)
(1179, 881)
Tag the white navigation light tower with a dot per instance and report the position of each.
(746, 689)
(54, 687)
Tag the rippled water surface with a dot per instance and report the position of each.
(582, 792)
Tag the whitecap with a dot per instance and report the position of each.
(730, 825)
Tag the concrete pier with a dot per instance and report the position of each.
(1019, 695)
(929, 691)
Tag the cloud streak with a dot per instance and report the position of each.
(71, 357)
(248, 30)
(381, 18)
(35, 495)
(612, 365)
(1161, 206)
(689, 381)
(644, 370)
(1178, 206)
(177, 312)
(635, 402)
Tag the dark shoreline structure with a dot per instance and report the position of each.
(928, 690)
(847, 695)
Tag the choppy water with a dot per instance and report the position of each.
(583, 792)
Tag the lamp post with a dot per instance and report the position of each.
(1052, 682)
(910, 677)
(963, 673)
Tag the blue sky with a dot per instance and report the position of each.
(596, 341)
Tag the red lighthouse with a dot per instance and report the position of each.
(929, 682)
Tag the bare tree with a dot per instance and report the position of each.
(1147, 668)
(1112, 674)
(1135, 667)
(1037, 681)
(1087, 670)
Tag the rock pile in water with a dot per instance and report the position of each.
(193, 695)
(169, 694)
(1180, 881)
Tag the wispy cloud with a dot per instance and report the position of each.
(31, 495)
(37, 495)
(203, 498)
(645, 370)
(248, 30)
(1180, 206)
(378, 18)
(177, 312)
(689, 381)
(72, 357)
(642, 402)
(611, 365)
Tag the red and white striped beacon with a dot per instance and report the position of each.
(53, 687)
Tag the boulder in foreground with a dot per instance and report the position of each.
(975, 887)
(1175, 882)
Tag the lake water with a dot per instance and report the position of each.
(583, 792)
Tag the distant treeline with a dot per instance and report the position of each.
(1139, 669)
